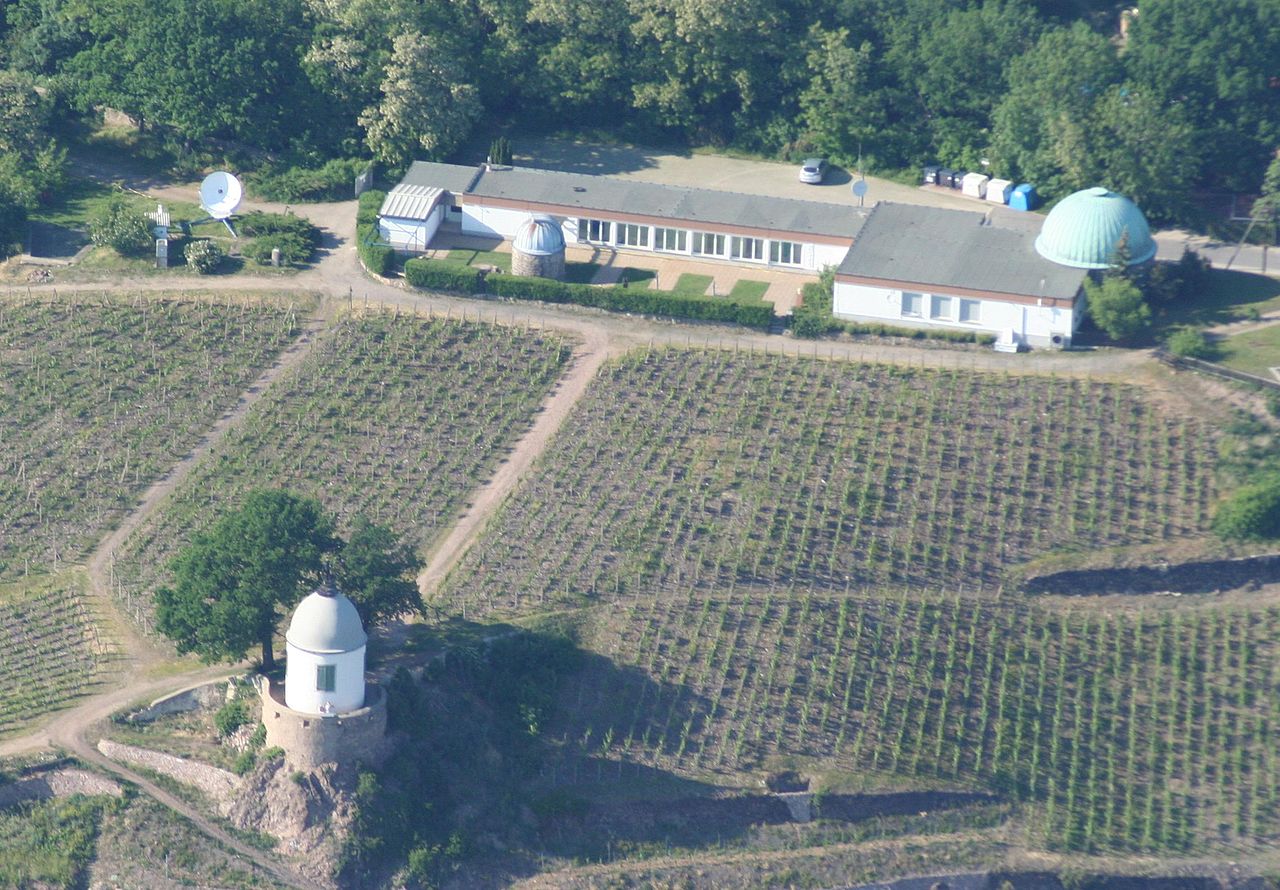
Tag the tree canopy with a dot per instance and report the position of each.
(230, 583)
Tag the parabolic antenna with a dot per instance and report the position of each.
(220, 194)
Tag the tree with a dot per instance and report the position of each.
(230, 581)
(424, 108)
(1117, 307)
(202, 256)
(121, 227)
(845, 107)
(378, 573)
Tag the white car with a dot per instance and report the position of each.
(813, 170)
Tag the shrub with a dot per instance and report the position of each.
(368, 207)
(256, 224)
(259, 737)
(122, 228)
(1189, 343)
(1117, 307)
(244, 762)
(377, 258)
(440, 276)
(292, 249)
(231, 716)
(332, 181)
(1252, 513)
(203, 256)
(273, 753)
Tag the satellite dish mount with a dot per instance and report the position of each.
(220, 195)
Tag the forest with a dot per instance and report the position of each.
(1179, 98)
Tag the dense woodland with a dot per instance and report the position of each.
(1049, 91)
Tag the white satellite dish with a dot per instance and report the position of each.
(220, 194)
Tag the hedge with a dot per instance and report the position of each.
(813, 319)
(333, 181)
(370, 204)
(377, 258)
(437, 276)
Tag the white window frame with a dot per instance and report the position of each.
(907, 296)
(936, 302)
(602, 228)
(702, 239)
(670, 240)
(742, 247)
(632, 235)
(966, 304)
(786, 253)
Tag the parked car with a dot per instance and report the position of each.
(813, 170)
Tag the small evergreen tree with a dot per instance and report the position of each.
(500, 151)
(1117, 307)
(120, 227)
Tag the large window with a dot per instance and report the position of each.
(597, 230)
(912, 304)
(940, 308)
(326, 677)
(971, 311)
(787, 252)
(671, 239)
(707, 243)
(632, 235)
(747, 248)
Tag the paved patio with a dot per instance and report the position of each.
(783, 292)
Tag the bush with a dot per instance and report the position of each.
(244, 763)
(1117, 307)
(203, 256)
(273, 753)
(259, 737)
(332, 181)
(120, 227)
(1189, 343)
(439, 276)
(256, 224)
(231, 716)
(292, 249)
(1252, 513)
(367, 209)
(377, 258)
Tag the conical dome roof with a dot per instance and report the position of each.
(1082, 231)
(539, 236)
(326, 622)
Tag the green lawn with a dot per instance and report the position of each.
(580, 273)
(82, 199)
(746, 291)
(1255, 352)
(692, 284)
(637, 276)
(482, 258)
(1228, 296)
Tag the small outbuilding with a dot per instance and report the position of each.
(998, 191)
(537, 249)
(975, 185)
(410, 215)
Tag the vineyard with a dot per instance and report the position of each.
(50, 651)
(392, 418)
(99, 398)
(688, 468)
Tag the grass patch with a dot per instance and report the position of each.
(50, 844)
(746, 291)
(1254, 352)
(1228, 296)
(581, 273)
(481, 258)
(642, 277)
(692, 284)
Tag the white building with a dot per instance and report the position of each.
(913, 266)
(620, 214)
(325, 646)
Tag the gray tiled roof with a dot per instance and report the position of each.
(454, 178)
(929, 245)
(605, 194)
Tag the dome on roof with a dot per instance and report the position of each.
(1082, 231)
(539, 236)
(326, 621)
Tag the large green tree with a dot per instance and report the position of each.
(378, 573)
(229, 583)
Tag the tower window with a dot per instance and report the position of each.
(326, 677)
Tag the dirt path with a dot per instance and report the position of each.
(572, 385)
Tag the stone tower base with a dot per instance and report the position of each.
(542, 266)
(309, 740)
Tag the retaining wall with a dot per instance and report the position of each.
(310, 740)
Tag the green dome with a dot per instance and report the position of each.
(1083, 230)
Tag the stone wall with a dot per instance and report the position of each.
(310, 740)
(217, 783)
(528, 264)
(206, 695)
(57, 783)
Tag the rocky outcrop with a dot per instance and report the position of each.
(309, 812)
(219, 784)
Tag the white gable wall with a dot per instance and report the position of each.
(1034, 325)
(410, 234)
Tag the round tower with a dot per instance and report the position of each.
(325, 645)
(538, 248)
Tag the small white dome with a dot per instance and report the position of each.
(326, 621)
(539, 236)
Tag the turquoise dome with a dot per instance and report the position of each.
(539, 236)
(1084, 228)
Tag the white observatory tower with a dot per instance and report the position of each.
(325, 645)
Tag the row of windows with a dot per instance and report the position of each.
(941, 308)
(600, 231)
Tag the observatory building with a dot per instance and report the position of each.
(326, 713)
(1083, 230)
(538, 249)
